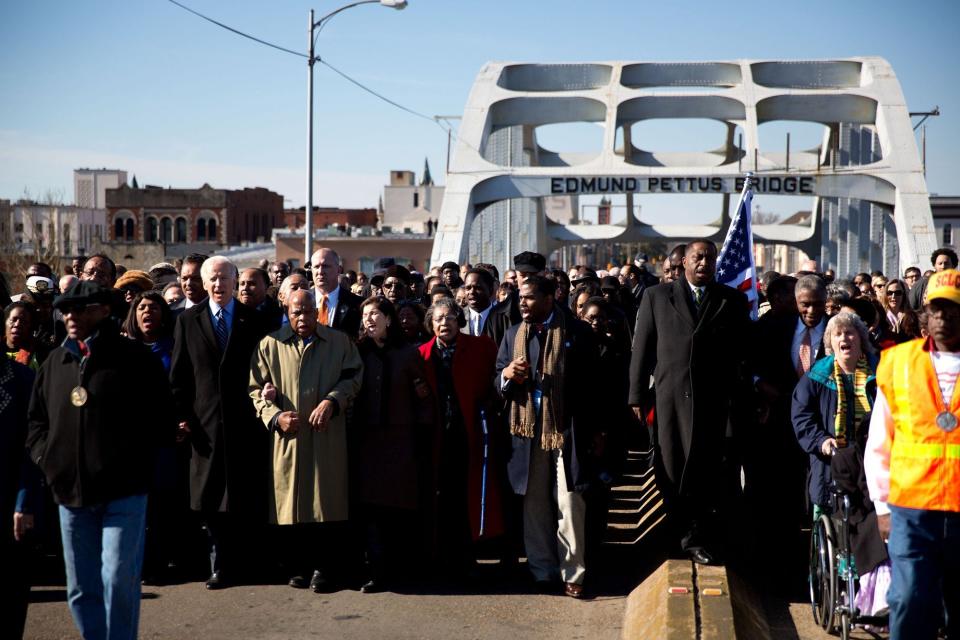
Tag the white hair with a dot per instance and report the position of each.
(846, 320)
(214, 261)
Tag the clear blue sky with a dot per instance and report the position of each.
(147, 87)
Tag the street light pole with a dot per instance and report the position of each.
(311, 58)
(308, 211)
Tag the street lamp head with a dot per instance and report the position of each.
(395, 4)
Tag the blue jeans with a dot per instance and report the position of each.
(925, 553)
(103, 554)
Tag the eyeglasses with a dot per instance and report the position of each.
(445, 318)
(895, 292)
(391, 285)
(74, 309)
(95, 273)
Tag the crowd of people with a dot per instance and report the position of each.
(349, 427)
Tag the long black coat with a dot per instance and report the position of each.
(586, 403)
(697, 363)
(230, 453)
(16, 382)
(393, 419)
(105, 449)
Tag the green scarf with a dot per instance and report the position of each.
(860, 400)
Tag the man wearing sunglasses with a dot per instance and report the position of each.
(396, 284)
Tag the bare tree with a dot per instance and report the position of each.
(31, 239)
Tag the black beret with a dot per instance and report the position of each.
(397, 271)
(84, 292)
(609, 283)
(449, 265)
(529, 261)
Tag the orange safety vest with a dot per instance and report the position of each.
(924, 459)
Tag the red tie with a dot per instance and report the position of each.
(84, 350)
(806, 351)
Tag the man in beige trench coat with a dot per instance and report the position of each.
(303, 376)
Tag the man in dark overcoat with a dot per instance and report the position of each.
(690, 336)
(785, 347)
(209, 373)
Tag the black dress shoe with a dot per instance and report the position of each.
(299, 582)
(216, 581)
(319, 583)
(702, 556)
(373, 585)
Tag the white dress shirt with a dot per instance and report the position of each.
(332, 298)
(476, 320)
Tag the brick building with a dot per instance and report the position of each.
(204, 216)
(325, 216)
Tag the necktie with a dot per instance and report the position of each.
(84, 349)
(323, 313)
(221, 330)
(805, 353)
(698, 296)
(476, 324)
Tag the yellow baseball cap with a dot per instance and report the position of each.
(944, 285)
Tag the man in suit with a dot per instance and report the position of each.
(786, 345)
(253, 293)
(336, 307)
(547, 376)
(213, 344)
(697, 366)
(191, 283)
(484, 318)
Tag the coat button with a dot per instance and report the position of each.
(686, 394)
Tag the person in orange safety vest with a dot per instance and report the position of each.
(912, 464)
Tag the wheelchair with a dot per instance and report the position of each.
(833, 576)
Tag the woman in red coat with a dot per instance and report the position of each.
(467, 472)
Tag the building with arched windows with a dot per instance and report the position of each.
(190, 219)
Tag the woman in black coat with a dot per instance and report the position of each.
(16, 381)
(393, 415)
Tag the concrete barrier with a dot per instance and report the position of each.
(680, 601)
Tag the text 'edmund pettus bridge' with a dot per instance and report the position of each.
(799, 185)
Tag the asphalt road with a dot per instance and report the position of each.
(277, 611)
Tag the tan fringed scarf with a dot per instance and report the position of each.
(523, 415)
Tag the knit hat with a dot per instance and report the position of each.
(134, 278)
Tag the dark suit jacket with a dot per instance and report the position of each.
(698, 364)
(230, 449)
(586, 400)
(347, 315)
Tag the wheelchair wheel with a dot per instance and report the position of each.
(845, 625)
(823, 577)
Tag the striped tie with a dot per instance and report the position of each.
(221, 329)
(698, 296)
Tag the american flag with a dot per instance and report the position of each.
(735, 266)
